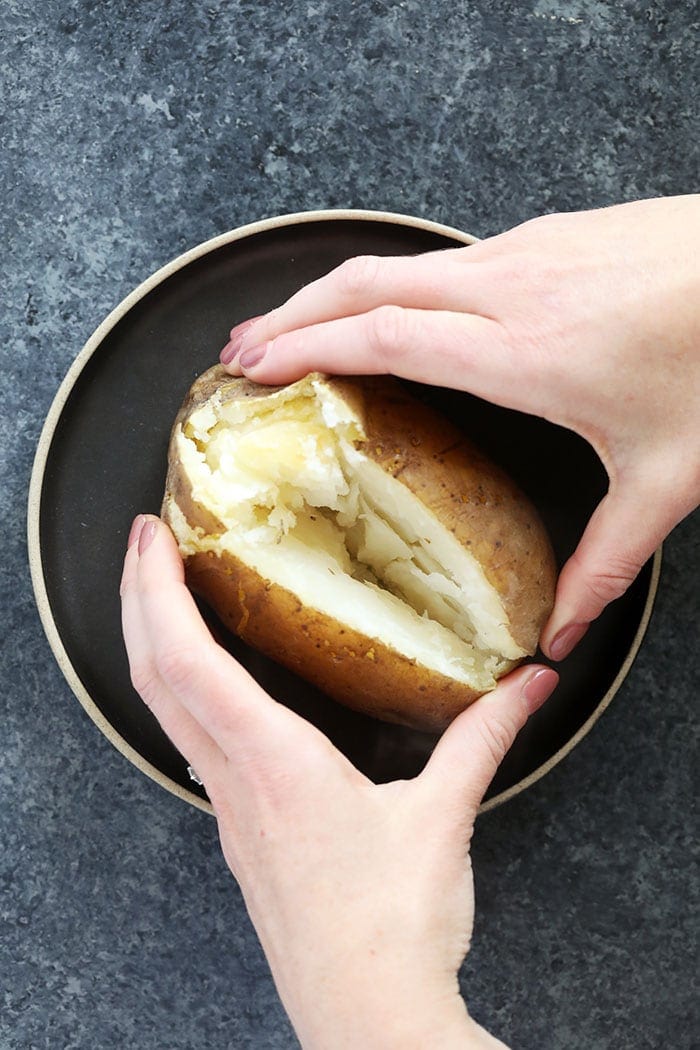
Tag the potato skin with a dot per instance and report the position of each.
(470, 496)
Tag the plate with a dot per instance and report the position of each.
(102, 458)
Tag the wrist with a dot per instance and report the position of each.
(378, 1016)
(392, 1027)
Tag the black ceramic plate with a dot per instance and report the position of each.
(102, 459)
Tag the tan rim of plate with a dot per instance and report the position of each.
(54, 414)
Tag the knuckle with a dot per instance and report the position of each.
(611, 584)
(269, 325)
(387, 331)
(293, 345)
(145, 681)
(357, 276)
(179, 667)
(608, 578)
(552, 221)
(496, 736)
(126, 586)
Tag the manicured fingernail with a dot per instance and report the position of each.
(135, 530)
(236, 340)
(231, 349)
(253, 356)
(538, 687)
(567, 639)
(228, 353)
(147, 534)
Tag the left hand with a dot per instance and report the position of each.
(361, 894)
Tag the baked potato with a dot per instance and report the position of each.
(344, 529)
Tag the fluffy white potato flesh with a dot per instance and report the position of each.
(302, 504)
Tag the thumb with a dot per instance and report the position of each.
(625, 530)
(471, 749)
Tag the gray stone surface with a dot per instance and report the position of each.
(132, 131)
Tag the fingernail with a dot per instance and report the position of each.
(236, 340)
(135, 530)
(147, 534)
(229, 352)
(231, 349)
(538, 687)
(253, 356)
(567, 639)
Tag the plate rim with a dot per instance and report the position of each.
(46, 438)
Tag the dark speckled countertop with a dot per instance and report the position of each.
(133, 131)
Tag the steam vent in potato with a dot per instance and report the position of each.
(348, 532)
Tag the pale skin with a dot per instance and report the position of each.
(591, 320)
(362, 895)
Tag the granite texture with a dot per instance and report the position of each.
(133, 131)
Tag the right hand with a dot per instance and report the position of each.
(591, 320)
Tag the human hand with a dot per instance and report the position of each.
(591, 320)
(361, 894)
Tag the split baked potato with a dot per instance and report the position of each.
(347, 531)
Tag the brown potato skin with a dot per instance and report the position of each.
(470, 496)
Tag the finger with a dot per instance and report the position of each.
(623, 533)
(432, 281)
(470, 751)
(440, 348)
(208, 682)
(188, 736)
